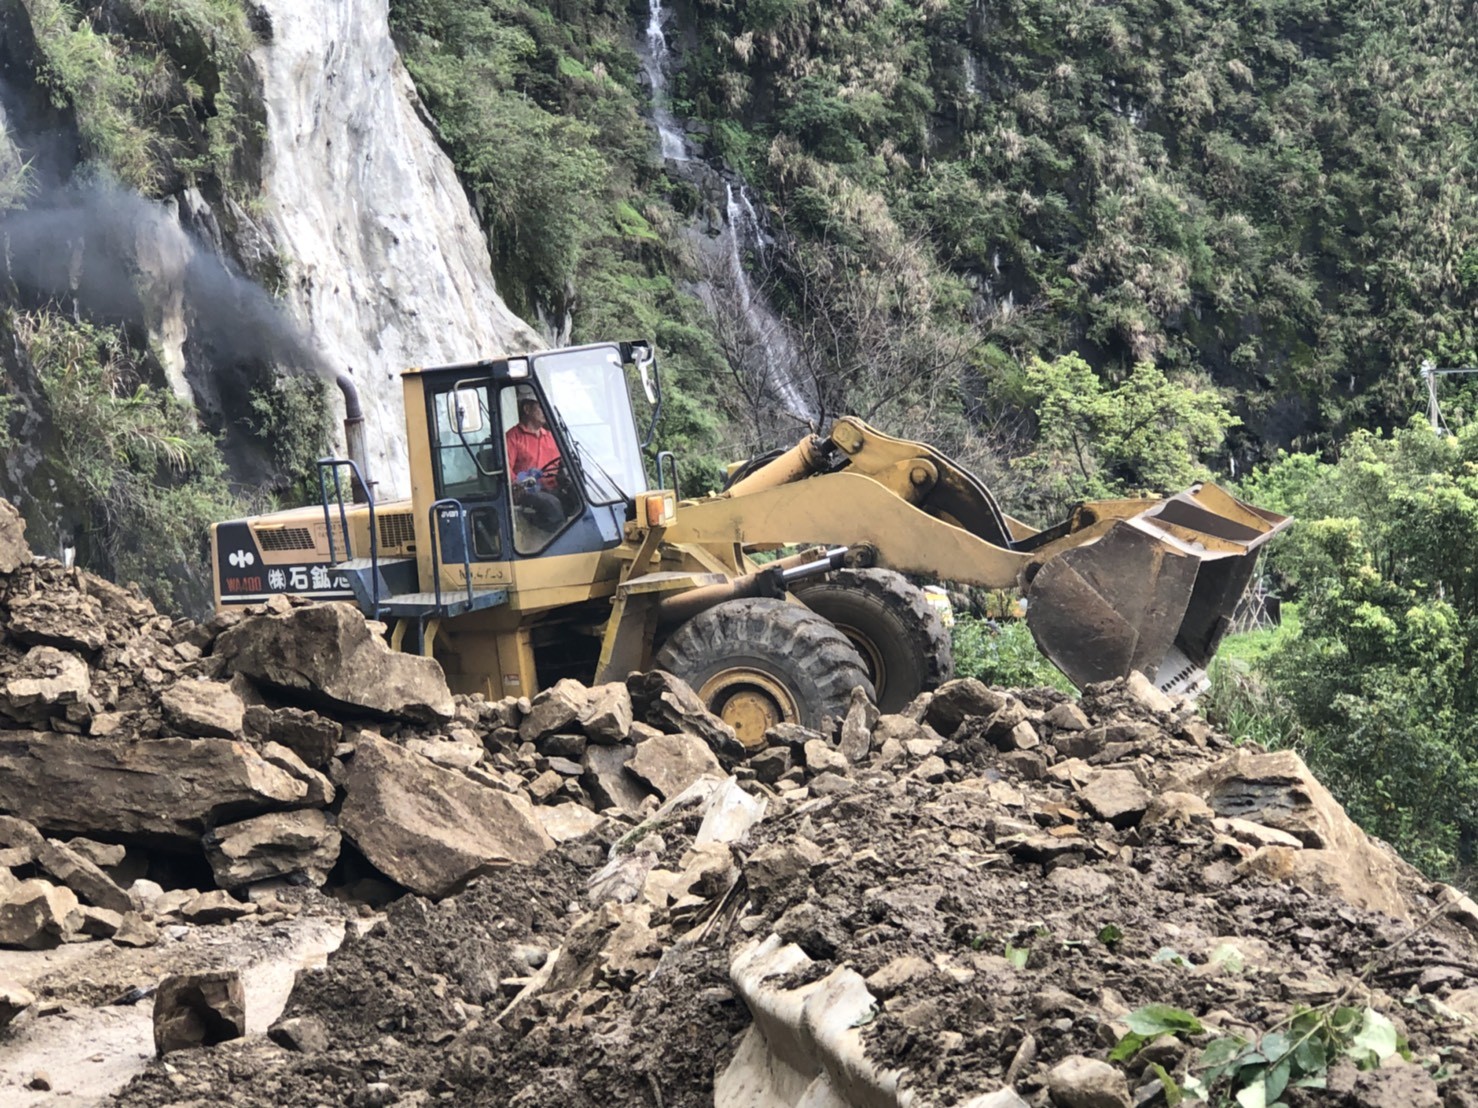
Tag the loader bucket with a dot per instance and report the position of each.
(1153, 592)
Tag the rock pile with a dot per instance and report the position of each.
(593, 898)
(958, 905)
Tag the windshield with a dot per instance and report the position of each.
(587, 389)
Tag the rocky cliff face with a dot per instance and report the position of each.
(385, 262)
(334, 194)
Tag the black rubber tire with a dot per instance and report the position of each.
(793, 646)
(888, 618)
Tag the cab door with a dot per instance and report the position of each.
(468, 465)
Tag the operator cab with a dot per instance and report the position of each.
(540, 451)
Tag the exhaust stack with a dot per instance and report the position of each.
(354, 436)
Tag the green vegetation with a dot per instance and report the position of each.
(1275, 194)
(1002, 653)
(156, 88)
(1374, 685)
(129, 458)
(293, 417)
(1232, 1071)
(1146, 435)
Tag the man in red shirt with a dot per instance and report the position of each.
(533, 461)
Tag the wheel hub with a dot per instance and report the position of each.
(751, 702)
(872, 657)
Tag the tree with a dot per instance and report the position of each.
(1384, 565)
(1150, 433)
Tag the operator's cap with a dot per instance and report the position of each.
(526, 392)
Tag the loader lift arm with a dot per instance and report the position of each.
(1121, 585)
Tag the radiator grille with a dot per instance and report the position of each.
(285, 538)
(398, 529)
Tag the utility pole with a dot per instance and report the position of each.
(1429, 374)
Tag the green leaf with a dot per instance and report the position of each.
(1277, 1077)
(1173, 1092)
(1311, 1056)
(1274, 1045)
(1220, 1052)
(1162, 1019)
(1377, 1035)
(1110, 934)
(1127, 1047)
(1254, 1095)
(1017, 955)
(1344, 1020)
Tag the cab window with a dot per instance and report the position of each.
(469, 466)
(541, 481)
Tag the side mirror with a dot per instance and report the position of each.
(651, 383)
(644, 360)
(464, 410)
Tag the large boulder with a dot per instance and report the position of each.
(48, 682)
(14, 552)
(164, 792)
(429, 828)
(670, 763)
(327, 653)
(1277, 790)
(37, 915)
(273, 845)
(204, 709)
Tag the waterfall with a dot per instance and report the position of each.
(674, 146)
(766, 328)
(765, 333)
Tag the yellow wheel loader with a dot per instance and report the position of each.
(532, 548)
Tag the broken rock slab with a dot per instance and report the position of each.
(82, 876)
(38, 915)
(162, 792)
(69, 621)
(667, 703)
(554, 710)
(327, 651)
(564, 822)
(1116, 797)
(14, 551)
(670, 763)
(431, 829)
(48, 682)
(198, 1009)
(13, 999)
(955, 700)
(608, 715)
(273, 845)
(307, 734)
(1079, 1082)
(1278, 791)
(203, 709)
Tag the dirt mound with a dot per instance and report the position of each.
(1006, 899)
(991, 898)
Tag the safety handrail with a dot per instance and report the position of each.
(450, 502)
(332, 466)
(671, 458)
